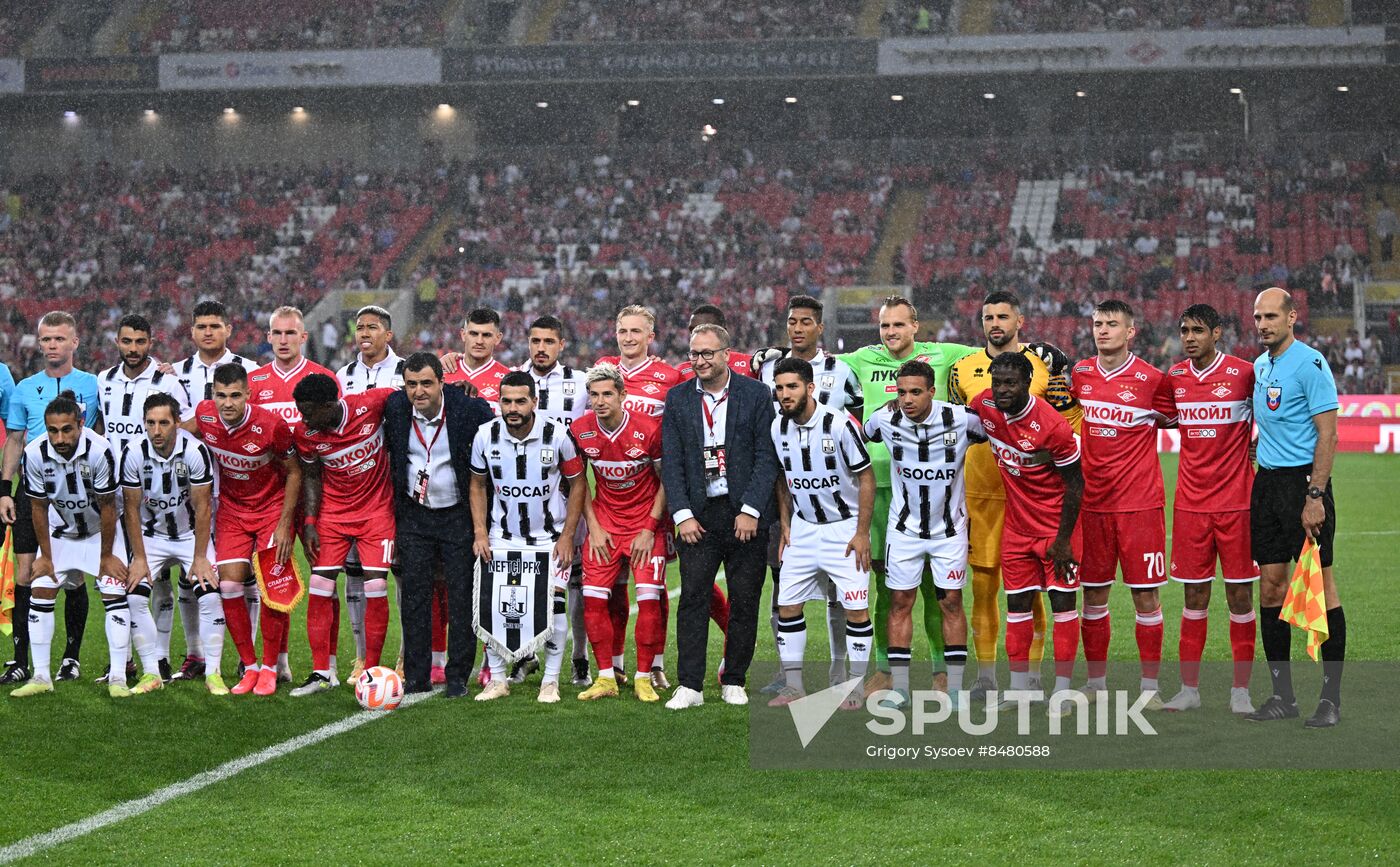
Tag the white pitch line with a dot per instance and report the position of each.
(130, 809)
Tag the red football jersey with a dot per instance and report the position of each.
(250, 483)
(354, 464)
(1034, 491)
(271, 388)
(1213, 411)
(1122, 409)
(739, 362)
(486, 379)
(646, 384)
(624, 469)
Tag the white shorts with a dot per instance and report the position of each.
(74, 558)
(817, 550)
(509, 556)
(906, 555)
(162, 553)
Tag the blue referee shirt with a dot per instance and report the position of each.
(32, 396)
(7, 390)
(1288, 391)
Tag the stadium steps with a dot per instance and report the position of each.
(1391, 193)
(542, 25)
(1034, 207)
(976, 16)
(1327, 13)
(901, 224)
(868, 22)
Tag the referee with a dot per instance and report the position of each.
(1295, 405)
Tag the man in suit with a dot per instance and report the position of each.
(428, 431)
(719, 468)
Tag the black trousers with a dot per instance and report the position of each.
(744, 565)
(427, 538)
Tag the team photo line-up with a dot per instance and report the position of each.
(916, 468)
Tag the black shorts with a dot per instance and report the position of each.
(1276, 516)
(25, 540)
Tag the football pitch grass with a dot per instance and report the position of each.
(513, 781)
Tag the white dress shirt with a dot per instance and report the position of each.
(713, 428)
(442, 481)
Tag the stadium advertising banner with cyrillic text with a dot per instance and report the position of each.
(89, 74)
(248, 70)
(662, 60)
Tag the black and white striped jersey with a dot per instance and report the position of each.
(561, 394)
(165, 482)
(529, 505)
(928, 499)
(198, 377)
(358, 377)
(123, 401)
(820, 461)
(835, 383)
(71, 486)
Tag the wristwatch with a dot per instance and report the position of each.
(1315, 493)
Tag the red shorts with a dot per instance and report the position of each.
(1199, 537)
(605, 573)
(373, 536)
(1026, 565)
(1137, 541)
(237, 536)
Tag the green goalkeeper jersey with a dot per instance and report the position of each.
(874, 368)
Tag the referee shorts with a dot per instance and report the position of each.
(1276, 516)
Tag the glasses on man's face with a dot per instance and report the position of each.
(706, 354)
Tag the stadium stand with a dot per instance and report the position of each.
(266, 25)
(660, 20)
(19, 19)
(1058, 16)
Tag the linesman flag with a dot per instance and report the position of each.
(1305, 606)
(7, 583)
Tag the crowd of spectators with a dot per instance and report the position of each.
(917, 18)
(1091, 16)
(268, 25)
(664, 20)
(18, 21)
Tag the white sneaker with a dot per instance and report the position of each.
(549, 692)
(685, 697)
(1188, 699)
(1239, 700)
(494, 689)
(1154, 701)
(732, 693)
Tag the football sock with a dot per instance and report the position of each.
(1242, 646)
(1020, 629)
(985, 619)
(619, 612)
(211, 629)
(496, 663)
(1037, 631)
(1334, 654)
(835, 632)
(882, 622)
(1277, 638)
(554, 647)
(143, 629)
(719, 609)
(439, 618)
(240, 628)
(933, 620)
(376, 619)
(20, 623)
(1096, 630)
(189, 618)
(253, 597)
(333, 631)
(578, 625)
(651, 628)
(899, 668)
(163, 610)
(792, 646)
(859, 637)
(75, 612)
(320, 613)
(1192, 644)
(1149, 642)
(1066, 646)
(41, 637)
(598, 619)
(955, 655)
(118, 627)
(275, 624)
(356, 606)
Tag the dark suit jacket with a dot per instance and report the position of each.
(751, 462)
(464, 416)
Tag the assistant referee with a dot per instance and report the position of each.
(1295, 405)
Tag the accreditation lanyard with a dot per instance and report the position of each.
(713, 453)
(420, 492)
